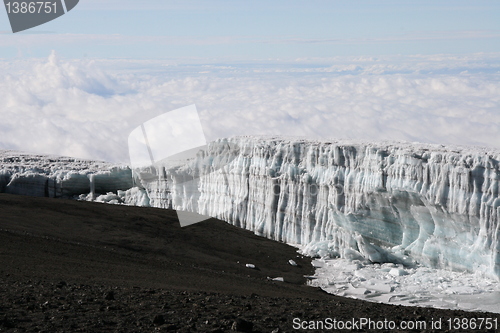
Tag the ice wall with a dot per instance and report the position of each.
(387, 202)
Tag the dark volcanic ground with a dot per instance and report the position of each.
(68, 266)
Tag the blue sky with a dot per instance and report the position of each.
(260, 29)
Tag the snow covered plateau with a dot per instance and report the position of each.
(402, 204)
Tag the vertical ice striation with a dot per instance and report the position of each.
(92, 185)
(387, 202)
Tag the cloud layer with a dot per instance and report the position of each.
(87, 108)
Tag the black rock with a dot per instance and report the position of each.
(242, 325)
(159, 320)
(109, 296)
(61, 284)
(6, 323)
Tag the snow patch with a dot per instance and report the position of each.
(417, 286)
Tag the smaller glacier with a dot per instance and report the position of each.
(60, 177)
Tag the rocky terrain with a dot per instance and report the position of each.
(69, 266)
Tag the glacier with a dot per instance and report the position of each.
(59, 177)
(387, 202)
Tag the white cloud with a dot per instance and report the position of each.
(77, 108)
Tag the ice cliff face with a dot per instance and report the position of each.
(387, 202)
